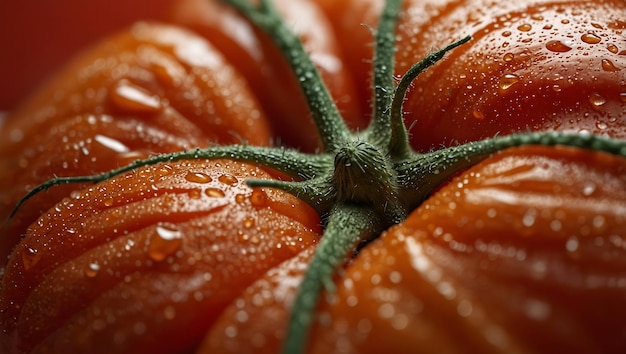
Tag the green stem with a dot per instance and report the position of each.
(399, 138)
(331, 126)
(348, 225)
(317, 193)
(384, 83)
(291, 162)
(423, 172)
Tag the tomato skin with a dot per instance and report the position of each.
(532, 280)
(538, 65)
(266, 69)
(471, 270)
(188, 96)
(176, 241)
(507, 79)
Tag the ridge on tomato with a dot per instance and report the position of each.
(443, 244)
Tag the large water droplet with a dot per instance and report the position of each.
(590, 38)
(596, 100)
(198, 177)
(166, 240)
(508, 57)
(130, 97)
(508, 80)
(558, 46)
(228, 180)
(92, 270)
(612, 48)
(258, 198)
(214, 193)
(525, 27)
(111, 144)
(608, 65)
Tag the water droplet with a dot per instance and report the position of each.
(591, 38)
(565, 21)
(601, 125)
(547, 27)
(30, 257)
(556, 88)
(589, 188)
(612, 48)
(508, 80)
(133, 98)
(506, 33)
(228, 180)
(164, 242)
(571, 245)
(557, 46)
(525, 27)
(622, 96)
(92, 270)
(258, 198)
(508, 57)
(164, 170)
(240, 198)
(248, 222)
(608, 65)
(214, 193)
(596, 100)
(111, 144)
(198, 177)
(478, 114)
(618, 24)
(529, 217)
(195, 194)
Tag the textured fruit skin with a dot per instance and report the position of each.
(470, 271)
(151, 89)
(523, 252)
(158, 252)
(531, 65)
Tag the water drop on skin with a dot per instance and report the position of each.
(508, 80)
(198, 177)
(228, 180)
(596, 100)
(608, 65)
(111, 144)
(258, 198)
(132, 98)
(558, 47)
(30, 257)
(164, 242)
(92, 270)
(214, 193)
(591, 38)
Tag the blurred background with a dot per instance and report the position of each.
(38, 36)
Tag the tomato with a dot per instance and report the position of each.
(176, 241)
(150, 89)
(531, 65)
(267, 71)
(520, 252)
(469, 271)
